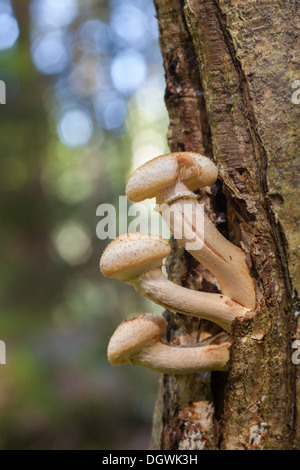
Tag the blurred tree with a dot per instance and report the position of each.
(25, 133)
(229, 68)
(67, 135)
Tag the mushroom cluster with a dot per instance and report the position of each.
(137, 259)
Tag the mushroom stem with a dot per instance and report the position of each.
(138, 341)
(183, 359)
(137, 259)
(174, 192)
(217, 308)
(172, 179)
(224, 260)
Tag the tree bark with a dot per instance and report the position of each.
(229, 67)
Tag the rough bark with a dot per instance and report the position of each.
(229, 66)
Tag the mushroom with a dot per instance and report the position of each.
(172, 179)
(137, 258)
(137, 341)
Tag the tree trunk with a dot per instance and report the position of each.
(229, 68)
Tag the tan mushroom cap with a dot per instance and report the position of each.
(192, 169)
(133, 335)
(132, 254)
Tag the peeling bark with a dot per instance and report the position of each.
(229, 69)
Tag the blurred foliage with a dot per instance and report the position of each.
(84, 105)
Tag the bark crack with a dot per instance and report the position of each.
(260, 152)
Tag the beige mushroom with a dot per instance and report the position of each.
(137, 259)
(171, 179)
(137, 341)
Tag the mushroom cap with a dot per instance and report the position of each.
(133, 335)
(132, 254)
(192, 169)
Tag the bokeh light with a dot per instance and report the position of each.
(110, 110)
(75, 128)
(146, 145)
(55, 13)
(150, 97)
(95, 36)
(73, 243)
(5, 7)
(51, 52)
(130, 26)
(9, 31)
(128, 71)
